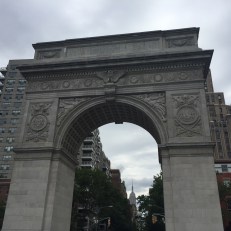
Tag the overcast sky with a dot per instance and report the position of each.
(132, 149)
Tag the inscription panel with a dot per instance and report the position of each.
(114, 49)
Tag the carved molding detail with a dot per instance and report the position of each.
(180, 42)
(161, 77)
(48, 54)
(80, 83)
(118, 78)
(110, 76)
(65, 105)
(187, 115)
(38, 126)
(157, 101)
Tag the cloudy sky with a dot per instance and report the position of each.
(132, 149)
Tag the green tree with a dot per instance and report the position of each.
(153, 204)
(224, 195)
(93, 190)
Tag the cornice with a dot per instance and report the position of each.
(118, 37)
(74, 68)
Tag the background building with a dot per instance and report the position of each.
(91, 154)
(220, 127)
(117, 183)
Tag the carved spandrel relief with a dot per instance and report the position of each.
(65, 105)
(187, 115)
(38, 125)
(157, 102)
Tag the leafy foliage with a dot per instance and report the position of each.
(225, 198)
(153, 204)
(94, 192)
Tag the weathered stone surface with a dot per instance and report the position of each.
(152, 79)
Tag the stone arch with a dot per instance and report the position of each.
(93, 113)
(72, 79)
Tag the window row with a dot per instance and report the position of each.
(4, 167)
(7, 97)
(7, 112)
(11, 89)
(10, 130)
(12, 81)
(8, 104)
(8, 139)
(12, 121)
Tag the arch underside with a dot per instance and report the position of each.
(102, 114)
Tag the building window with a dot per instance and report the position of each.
(226, 182)
(229, 204)
(12, 74)
(19, 96)
(213, 98)
(224, 168)
(21, 89)
(22, 81)
(10, 139)
(8, 148)
(3, 121)
(5, 105)
(17, 104)
(217, 134)
(2, 130)
(4, 112)
(14, 121)
(6, 157)
(7, 97)
(1, 139)
(4, 167)
(9, 89)
(16, 112)
(12, 130)
(10, 82)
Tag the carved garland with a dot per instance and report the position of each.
(38, 126)
(187, 116)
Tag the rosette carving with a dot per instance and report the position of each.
(187, 116)
(38, 126)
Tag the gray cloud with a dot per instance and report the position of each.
(26, 22)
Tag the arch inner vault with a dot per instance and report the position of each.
(152, 79)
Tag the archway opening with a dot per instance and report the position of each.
(133, 151)
(83, 121)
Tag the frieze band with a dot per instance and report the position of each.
(120, 78)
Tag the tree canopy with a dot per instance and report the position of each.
(153, 205)
(95, 197)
